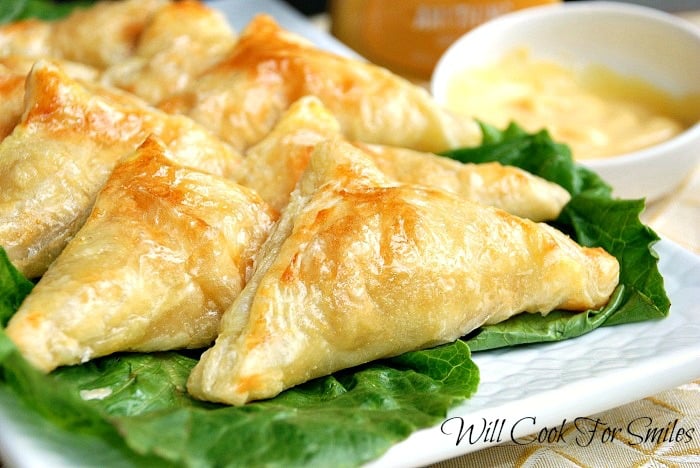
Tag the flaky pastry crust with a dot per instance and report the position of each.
(181, 40)
(360, 268)
(243, 96)
(274, 165)
(161, 257)
(100, 36)
(69, 139)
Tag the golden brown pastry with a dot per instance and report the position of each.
(243, 96)
(11, 100)
(163, 254)
(56, 159)
(181, 40)
(274, 165)
(29, 37)
(101, 35)
(492, 184)
(22, 64)
(13, 73)
(359, 268)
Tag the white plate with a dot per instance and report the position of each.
(575, 378)
(549, 382)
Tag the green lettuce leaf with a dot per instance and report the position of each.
(136, 405)
(14, 10)
(594, 219)
(536, 153)
(340, 420)
(13, 288)
(56, 412)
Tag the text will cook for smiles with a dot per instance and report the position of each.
(583, 431)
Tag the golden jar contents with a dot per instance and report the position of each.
(409, 37)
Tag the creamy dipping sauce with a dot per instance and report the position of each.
(597, 112)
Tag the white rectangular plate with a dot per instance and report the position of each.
(550, 382)
(606, 368)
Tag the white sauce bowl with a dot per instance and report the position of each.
(657, 47)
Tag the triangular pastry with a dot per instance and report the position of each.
(101, 35)
(269, 68)
(151, 48)
(492, 184)
(11, 100)
(13, 74)
(69, 138)
(22, 64)
(359, 268)
(181, 40)
(162, 255)
(274, 165)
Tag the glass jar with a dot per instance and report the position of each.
(409, 37)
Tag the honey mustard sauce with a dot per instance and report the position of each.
(596, 111)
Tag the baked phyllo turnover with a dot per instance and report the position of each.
(163, 254)
(181, 40)
(492, 184)
(67, 142)
(152, 48)
(11, 99)
(101, 35)
(243, 96)
(274, 165)
(360, 268)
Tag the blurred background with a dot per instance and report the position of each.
(380, 31)
(313, 7)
